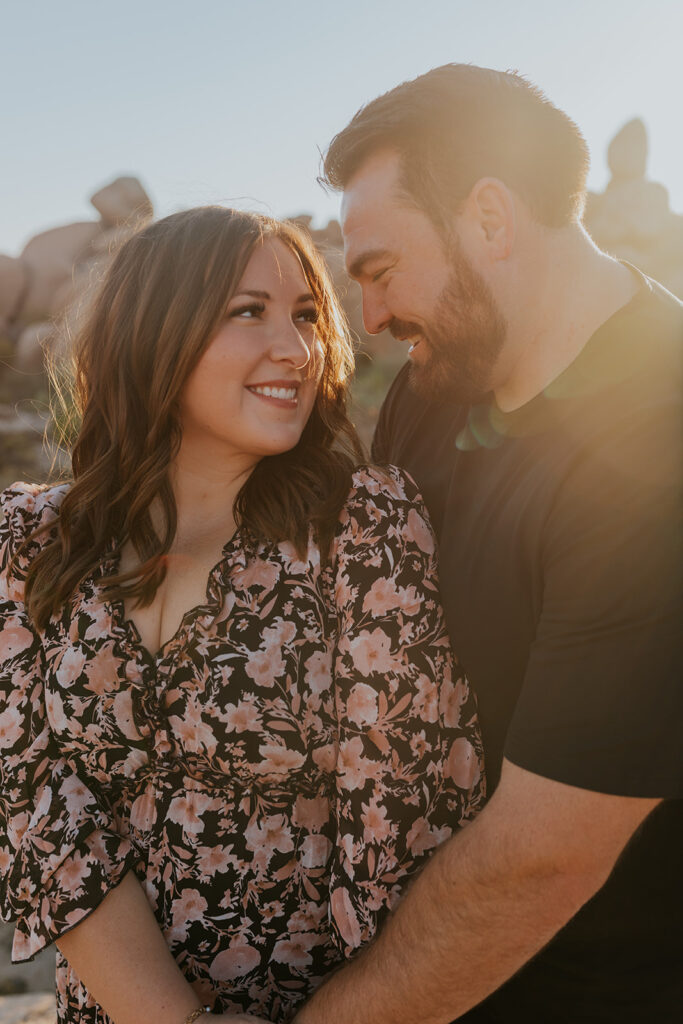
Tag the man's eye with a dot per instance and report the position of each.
(252, 310)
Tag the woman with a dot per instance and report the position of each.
(231, 728)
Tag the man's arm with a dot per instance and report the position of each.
(488, 900)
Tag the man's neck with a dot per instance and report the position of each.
(568, 290)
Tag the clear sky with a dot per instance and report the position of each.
(224, 101)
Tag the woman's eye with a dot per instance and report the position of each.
(380, 273)
(310, 315)
(252, 310)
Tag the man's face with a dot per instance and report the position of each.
(420, 288)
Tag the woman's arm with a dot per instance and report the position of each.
(121, 956)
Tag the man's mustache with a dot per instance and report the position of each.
(402, 329)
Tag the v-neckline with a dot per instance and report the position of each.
(128, 626)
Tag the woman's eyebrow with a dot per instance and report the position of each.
(257, 294)
(253, 293)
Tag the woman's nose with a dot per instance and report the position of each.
(292, 346)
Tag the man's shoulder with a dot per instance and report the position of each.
(407, 422)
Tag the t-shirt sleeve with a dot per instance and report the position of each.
(601, 705)
(409, 764)
(59, 852)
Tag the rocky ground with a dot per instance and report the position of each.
(38, 1008)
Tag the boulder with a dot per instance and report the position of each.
(29, 355)
(13, 282)
(627, 152)
(51, 257)
(123, 201)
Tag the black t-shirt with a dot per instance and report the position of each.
(560, 530)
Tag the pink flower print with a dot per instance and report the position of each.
(25, 890)
(371, 652)
(318, 674)
(243, 716)
(10, 727)
(420, 838)
(295, 951)
(382, 597)
(353, 769)
(417, 532)
(103, 671)
(307, 918)
(76, 794)
(418, 744)
(100, 619)
(463, 764)
(278, 760)
(70, 666)
(72, 872)
(14, 638)
(409, 601)
(361, 706)
(143, 813)
(123, 714)
(270, 834)
(282, 633)
(236, 961)
(345, 917)
(451, 700)
(311, 813)
(187, 810)
(194, 734)
(213, 859)
(265, 666)
(376, 828)
(325, 757)
(315, 851)
(5, 860)
(55, 712)
(190, 906)
(426, 700)
(259, 574)
(343, 591)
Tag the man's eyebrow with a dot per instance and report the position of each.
(356, 268)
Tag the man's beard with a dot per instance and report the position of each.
(463, 340)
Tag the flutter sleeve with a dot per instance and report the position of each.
(59, 855)
(409, 769)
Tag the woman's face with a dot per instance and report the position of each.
(254, 387)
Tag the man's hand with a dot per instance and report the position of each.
(488, 900)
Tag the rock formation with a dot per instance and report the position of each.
(632, 219)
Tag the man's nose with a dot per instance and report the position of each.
(376, 314)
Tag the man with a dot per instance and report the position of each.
(540, 414)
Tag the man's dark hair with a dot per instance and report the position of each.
(459, 123)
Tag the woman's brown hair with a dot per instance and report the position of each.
(158, 307)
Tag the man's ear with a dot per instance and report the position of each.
(490, 214)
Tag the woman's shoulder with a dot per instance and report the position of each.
(385, 503)
(26, 507)
(386, 485)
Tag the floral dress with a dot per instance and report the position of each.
(273, 775)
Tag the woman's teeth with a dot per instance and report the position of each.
(288, 394)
